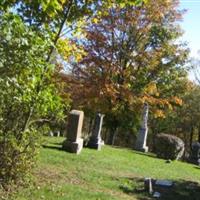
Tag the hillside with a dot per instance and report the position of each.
(109, 174)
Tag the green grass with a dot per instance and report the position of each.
(109, 174)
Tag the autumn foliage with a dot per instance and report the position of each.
(130, 57)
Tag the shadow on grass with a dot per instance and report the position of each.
(152, 155)
(53, 147)
(56, 143)
(181, 190)
(145, 154)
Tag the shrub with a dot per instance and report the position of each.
(169, 146)
(27, 97)
(17, 158)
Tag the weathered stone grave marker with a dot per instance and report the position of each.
(157, 188)
(163, 183)
(142, 135)
(95, 141)
(74, 142)
(195, 153)
(51, 133)
(148, 185)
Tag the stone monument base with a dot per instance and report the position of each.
(73, 147)
(143, 149)
(95, 144)
(195, 161)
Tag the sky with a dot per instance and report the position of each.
(191, 25)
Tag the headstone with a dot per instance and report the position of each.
(195, 153)
(156, 194)
(74, 142)
(95, 141)
(142, 135)
(56, 133)
(163, 183)
(148, 185)
(50, 133)
(168, 146)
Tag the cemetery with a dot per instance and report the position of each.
(97, 174)
(111, 173)
(99, 100)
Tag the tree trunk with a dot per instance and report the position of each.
(90, 126)
(38, 88)
(191, 136)
(112, 136)
(66, 14)
(199, 134)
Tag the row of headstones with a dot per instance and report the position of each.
(74, 142)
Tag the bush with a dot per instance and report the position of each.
(169, 146)
(27, 97)
(17, 158)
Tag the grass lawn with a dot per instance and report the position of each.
(109, 174)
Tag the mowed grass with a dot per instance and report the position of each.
(109, 174)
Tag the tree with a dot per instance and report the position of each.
(22, 66)
(190, 112)
(194, 66)
(54, 16)
(130, 58)
(182, 121)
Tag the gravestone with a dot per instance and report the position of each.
(168, 146)
(95, 141)
(158, 188)
(56, 133)
(74, 142)
(148, 185)
(142, 135)
(156, 194)
(164, 183)
(195, 153)
(51, 133)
